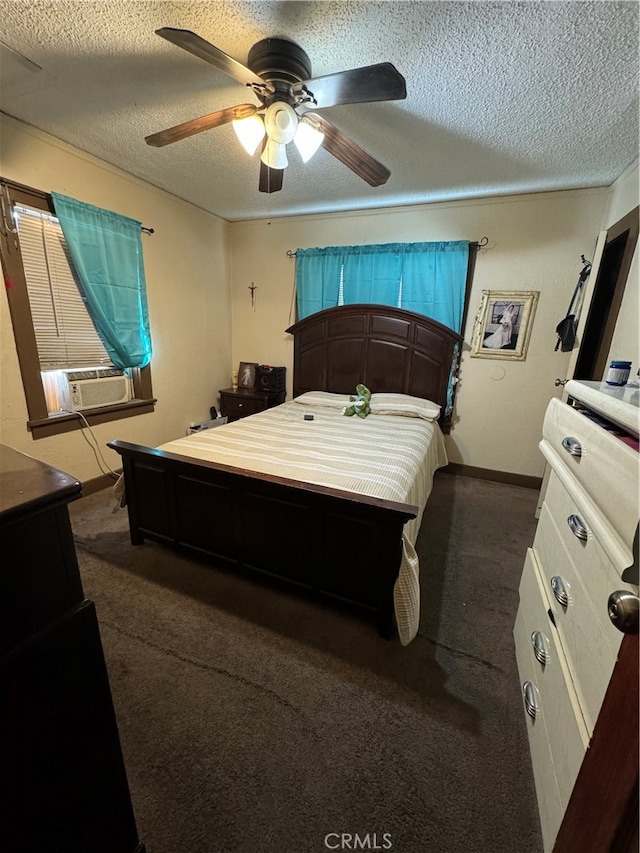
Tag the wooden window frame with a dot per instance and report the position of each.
(40, 422)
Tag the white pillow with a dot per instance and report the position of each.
(323, 398)
(404, 405)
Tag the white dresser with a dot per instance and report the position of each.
(566, 642)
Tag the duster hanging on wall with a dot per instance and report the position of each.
(567, 327)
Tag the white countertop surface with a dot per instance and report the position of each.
(618, 403)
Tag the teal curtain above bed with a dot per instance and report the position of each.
(318, 277)
(106, 250)
(371, 274)
(434, 281)
(428, 278)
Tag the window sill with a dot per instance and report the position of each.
(57, 424)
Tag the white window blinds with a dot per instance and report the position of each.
(65, 334)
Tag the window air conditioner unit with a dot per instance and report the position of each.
(86, 389)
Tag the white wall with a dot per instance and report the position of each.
(623, 195)
(625, 346)
(199, 269)
(188, 293)
(535, 244)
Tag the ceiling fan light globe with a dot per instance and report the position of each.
(275, 155)
(281, 122)
(250, 131)
(307, 140)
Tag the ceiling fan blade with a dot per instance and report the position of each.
(348, 152)
(214, 56)
(270, 179)
(382, 82)
(197, 125)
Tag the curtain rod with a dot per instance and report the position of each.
(477, 244)
(147, 230)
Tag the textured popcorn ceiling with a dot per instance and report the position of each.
(503, 97)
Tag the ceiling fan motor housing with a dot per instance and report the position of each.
(281, 63)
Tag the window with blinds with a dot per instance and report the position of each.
(65, 334)
(54, 334)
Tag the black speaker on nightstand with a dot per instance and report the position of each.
(270, 378)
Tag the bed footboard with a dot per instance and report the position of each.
(334, 544)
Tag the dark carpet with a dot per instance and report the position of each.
(253, 720)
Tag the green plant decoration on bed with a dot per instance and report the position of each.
(360, 404)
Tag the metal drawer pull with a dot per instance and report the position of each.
(623, 611)
(561, 590)
(531, 704)
(572, 446)
(578, 527)
(540, 647)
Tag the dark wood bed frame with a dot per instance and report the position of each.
(332, 543)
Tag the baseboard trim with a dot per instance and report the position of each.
(97, 484)
(496, 476)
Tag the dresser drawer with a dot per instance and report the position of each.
(557, 735)
(599, 575)
(607, 468)
(550, 805)
(585, 576)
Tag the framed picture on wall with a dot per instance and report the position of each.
(503, 324)
(247, 374)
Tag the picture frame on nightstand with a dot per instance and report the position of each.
(247, 374)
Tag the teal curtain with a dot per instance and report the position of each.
(428, 278)
(371, 274)
(106, 250)
(318, 274)
(434, 280)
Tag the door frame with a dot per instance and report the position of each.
(609, 273)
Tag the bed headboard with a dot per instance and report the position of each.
(387, 349)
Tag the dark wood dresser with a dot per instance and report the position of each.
(63, 785)
(236, 403)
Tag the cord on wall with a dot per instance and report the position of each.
(95, 447)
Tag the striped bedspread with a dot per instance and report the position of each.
(383, 456)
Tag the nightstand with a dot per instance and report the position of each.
(236, 403)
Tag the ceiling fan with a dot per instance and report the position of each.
(278, 72)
